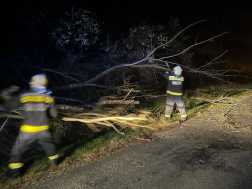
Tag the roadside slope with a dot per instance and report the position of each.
(213, 150)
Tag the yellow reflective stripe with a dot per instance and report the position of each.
(36, 99)
(176, 79)
(167, 116)
(28, 128)
(32, 97)
(48, 100)
(31, 100)
(174, 93)
(53, 157)
(15, 165)
(185, 115)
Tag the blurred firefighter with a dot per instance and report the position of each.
(174, 93)
(38, 108)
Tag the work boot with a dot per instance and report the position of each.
(12, 173)
(54, 162)
(54, 159)
(183, 119)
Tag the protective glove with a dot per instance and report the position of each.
(5, 94)
(11, 89)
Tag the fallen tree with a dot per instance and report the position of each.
(151, 59)
(204, 70)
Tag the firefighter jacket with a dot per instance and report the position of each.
(38, 109)
(174, 86)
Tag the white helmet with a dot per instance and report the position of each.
(39, 80)
(177, 70)
(39, 83)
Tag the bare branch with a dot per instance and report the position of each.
(94, 85)
(211, 62)
(62, 74)
(128, 94)
(118, 102)
(210, 39)
(174, 37)
(68, 99)
(218, 56)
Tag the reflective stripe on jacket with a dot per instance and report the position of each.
(29, 128)
(174, 86)
(36, 111)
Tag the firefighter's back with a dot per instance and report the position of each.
(35, 107)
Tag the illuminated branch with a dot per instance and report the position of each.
(193, 46)
(148, 57)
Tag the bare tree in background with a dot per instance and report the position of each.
(141, 40)
(75, 32)
(78, 27)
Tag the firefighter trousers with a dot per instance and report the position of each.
(23, 142)
(170, 101)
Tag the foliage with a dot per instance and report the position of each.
(78, 28)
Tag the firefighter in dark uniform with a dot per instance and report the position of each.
(38, 108)
(174, 93)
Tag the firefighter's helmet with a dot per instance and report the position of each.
(177, 70)
(39, 81)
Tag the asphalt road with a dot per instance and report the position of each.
(211, 151)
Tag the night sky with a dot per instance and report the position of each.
(25, 27)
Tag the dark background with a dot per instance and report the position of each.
(26, 25)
